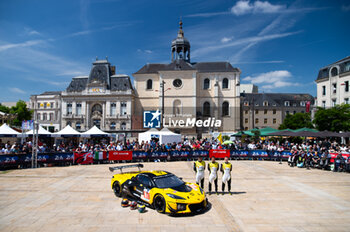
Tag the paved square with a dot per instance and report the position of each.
(269, 197)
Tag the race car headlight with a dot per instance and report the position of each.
(181, 207)
(175, 197)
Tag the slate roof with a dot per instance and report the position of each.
(276, 99)
(324, 72)
(77, 84)
(120, 83)
(183, 65)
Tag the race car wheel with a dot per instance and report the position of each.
(159, 203)
(117, 189)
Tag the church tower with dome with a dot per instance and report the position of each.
(195, 90)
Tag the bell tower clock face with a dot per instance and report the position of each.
(177, 83)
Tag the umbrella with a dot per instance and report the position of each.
(227, 142)
(286, 132)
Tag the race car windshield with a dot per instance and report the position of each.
(168, 181)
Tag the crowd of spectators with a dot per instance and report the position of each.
(308, 154)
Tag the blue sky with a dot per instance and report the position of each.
(278, 45)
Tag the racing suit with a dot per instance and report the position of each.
(226, 169)
(199, 168)
(213, 168)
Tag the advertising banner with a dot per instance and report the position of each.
(8, 160)
(140, 155)
(159, 154)
(259, 154)
(83, 158)
(180, 154)
(120, 155)
(219, 153)
(239, 153)
(200, 154)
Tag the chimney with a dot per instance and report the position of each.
(112, 70)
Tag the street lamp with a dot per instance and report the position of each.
(163, 91)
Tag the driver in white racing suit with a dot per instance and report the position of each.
(199, 167)
(213, 168)
(226, 168)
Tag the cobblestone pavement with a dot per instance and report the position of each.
(267, 197)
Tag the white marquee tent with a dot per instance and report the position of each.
(68, 131)
(165, 136)
(6, 131)
(94, 132)
(41, 131)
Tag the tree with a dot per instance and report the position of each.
(4, 109)
(22, 113)
(335, 119)
(296, 121)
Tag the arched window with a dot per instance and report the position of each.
(177, 108)
(149, 84)
(334, 72)
(206, 109)
(206, 83)
(69, 123)
(97, 108)
(266, 103)
(225, 109)
(123, 126)
(225, 83)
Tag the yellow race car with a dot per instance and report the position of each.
(159, 190)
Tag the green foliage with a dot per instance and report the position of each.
(336, 118)
(296, 121)
(256, 135)
(4, 109)
(22, 113)
(225, 137)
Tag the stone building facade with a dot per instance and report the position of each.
(103, 98)
(199, 90)
(333, 84)
(260, 110)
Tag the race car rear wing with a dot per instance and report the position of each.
(126, 166)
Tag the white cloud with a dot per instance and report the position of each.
(248, 40)
(146, 51)
(17, 90)
(272, 80)
(28, 43)
(226, 39)
(245, 7)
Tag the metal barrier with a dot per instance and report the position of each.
(24, 160)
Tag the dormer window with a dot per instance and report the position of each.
(266, 103)
(302, 103)
(286, 103)
(334, 72)
(246, 103)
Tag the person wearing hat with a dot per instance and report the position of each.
(226, 169)
(213, 168)
(199, 167)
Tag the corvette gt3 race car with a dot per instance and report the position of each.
(159, 190)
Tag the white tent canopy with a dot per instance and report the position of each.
(41, 131)
(94, 131)
(6, 131)
(68, 131)
(165, 136)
